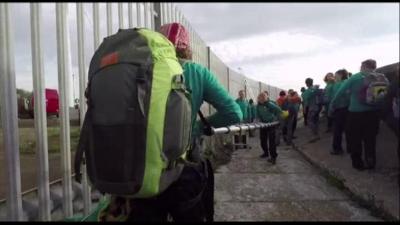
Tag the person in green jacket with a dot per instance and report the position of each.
(267, 112)
(362, 120)
(244, 107)
(304, 108)
(313, 109)
(339, 113)
(330, 81)
(190, 198)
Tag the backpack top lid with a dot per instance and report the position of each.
(118, 47)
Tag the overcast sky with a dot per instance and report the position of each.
(284, 43)
(277, 43)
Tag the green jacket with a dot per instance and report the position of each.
(268, 112)
(244, 107)
(340, 102)
(205, 87)
(328, 92)
(352, 87)
(307, 96)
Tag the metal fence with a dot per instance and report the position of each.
(141, 14)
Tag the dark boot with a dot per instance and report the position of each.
(272, 160)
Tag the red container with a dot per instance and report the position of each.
(52, 102)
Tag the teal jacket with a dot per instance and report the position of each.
(268, 112)
(328, 92)
(352, 87)
(205, 87)
(308, 96)
(244, 107)
(342, 102)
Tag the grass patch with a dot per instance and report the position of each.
(28, 141)
(334, 181)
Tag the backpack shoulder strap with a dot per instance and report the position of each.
(203, 119)
(82, 145)
(208, 128)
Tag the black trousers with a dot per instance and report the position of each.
(330, 122)
(313, 118)
(305, 115)
(177, 200)
(240, 139)
(295, 123)
(362, 129)
(339, 125)
(267, 138)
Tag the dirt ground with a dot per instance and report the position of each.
(28, 161)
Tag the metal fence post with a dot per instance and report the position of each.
(109, 18)
(170, 13)
(40, 114)
(120, 15)
(146, 14)
(139, 14)
(154, 15)
(9, 114)
(162, 13)
(96, 26)
(158, 18)
(169, 5)
(63, 80)
(82, 102)
(130, 15)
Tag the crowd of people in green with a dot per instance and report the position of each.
(351, 104)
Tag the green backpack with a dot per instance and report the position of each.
(137, 128)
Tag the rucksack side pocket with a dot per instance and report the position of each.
(177, 127)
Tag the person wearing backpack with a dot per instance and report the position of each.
(140, 136)
(293, 102)
(312, 98)
(282, 102)
(338, 111)
(330, 81)
(303, 106)
(367, 90)
(267, 112)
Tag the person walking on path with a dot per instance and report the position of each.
(330, 81)
(244, 107)
(303, 106)
(310, 101)
(363, 118)
(267, 112)
(293, 102)
(339, 114)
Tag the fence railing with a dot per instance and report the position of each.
(149, 15)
